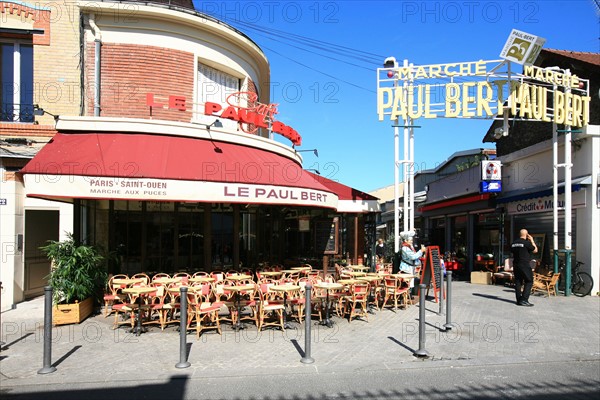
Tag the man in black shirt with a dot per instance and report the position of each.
(522, 248)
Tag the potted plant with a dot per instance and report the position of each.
(76, 275)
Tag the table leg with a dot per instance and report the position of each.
(238, 325)
(138, 329)
(328, 322)
(286, 325)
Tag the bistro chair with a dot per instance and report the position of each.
(356, 301)
(226, 298)
(113, 293)
(203, 311)
(545, 283)
(271, 307)
(160, 275)
(155, 307)
(141, 275)
(394, 290)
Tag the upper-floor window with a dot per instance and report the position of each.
(215, 85)
(16, 82)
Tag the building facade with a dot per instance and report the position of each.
(162, 149)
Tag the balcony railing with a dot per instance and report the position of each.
(16, 112)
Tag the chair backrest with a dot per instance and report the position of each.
(143, 276)
(160, 275)
(360, 289)
(554, 279)
(200, 273)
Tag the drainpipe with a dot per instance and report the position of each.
(98, 46)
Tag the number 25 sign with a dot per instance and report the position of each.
(522, 48)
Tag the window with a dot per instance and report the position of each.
(215, 85)
(16, 82)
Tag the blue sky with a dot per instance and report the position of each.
(324, 56)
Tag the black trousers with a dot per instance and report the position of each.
(523, 282)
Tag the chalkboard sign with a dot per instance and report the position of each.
(432, 268)
(326, 236)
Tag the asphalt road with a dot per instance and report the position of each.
(548, 381)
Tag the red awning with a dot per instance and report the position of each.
(350, 199)
(168, 168)
(454, 202)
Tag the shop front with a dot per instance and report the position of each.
(180, 201)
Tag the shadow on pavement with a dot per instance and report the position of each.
(487, 296)
(174, 389)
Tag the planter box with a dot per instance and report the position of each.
(481, 278)
(72, 313)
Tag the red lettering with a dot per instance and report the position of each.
(260, 192)
(230, 113)
(177, 103)
(226, 192)
(304, 196)
(150, 101)
(210, 108)
(243, 192)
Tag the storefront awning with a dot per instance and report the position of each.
(350, 200)
(454, 202)
(542, 191)
(132, 166)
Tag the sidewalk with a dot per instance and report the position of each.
(488, 328)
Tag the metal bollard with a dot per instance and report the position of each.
(421, 352)
(441, 305)
(307, 359)
(1, 342)
(47, 367)
(183, 363)
(448, 324)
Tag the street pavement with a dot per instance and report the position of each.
(493, 343)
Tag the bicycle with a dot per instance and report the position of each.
(581, 282)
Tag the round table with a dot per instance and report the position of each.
(237, 289)
(139, 291)
(348, 281)
(359, 267)
(270, 273)
(327, 286)
(201, 279)
(238, 277)
(166, 281)
(127, 281)
(285, 289)
(356, 273)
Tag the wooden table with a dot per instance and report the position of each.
(356, 273)
(327, 286)
(236, 289)
(285, 289)
(359, 267)
(166, 281)
(127, 281)
(201, 279)
(348, 281)
(238, 277)
(271, 273)
(139, 291)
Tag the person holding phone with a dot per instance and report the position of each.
(522, 249)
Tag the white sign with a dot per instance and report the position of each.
(545, 204)
(522, 48)
(144, 189)
(491, 170)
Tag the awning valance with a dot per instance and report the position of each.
(168, 168)
(350, 200)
